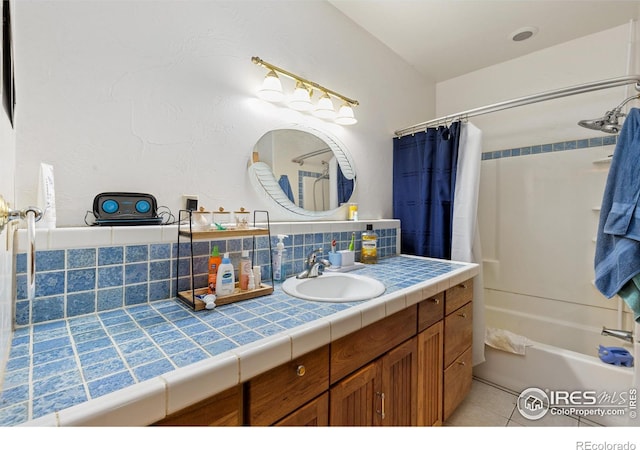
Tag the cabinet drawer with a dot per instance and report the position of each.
(276, 393)
(351, 352)
(458, 295)
(223, 409)
(457, 383)
(458, 330)
(430, 311)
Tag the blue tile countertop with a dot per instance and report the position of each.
(97, 358)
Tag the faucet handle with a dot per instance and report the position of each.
(311, 257)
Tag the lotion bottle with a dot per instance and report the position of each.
(245, 270)
(278, 273)
(226, 279)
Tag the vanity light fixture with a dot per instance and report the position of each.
(324, 108)
(271, 89)
(345, 115)
(301, 99)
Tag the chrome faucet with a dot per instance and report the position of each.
(620, 334)
(312, 265)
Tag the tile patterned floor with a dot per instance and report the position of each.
(488, 405)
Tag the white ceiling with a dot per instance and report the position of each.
(443, 39)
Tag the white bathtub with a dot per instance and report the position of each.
(547, 367)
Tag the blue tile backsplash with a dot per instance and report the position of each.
(79, 281)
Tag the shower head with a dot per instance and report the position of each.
(609, 122)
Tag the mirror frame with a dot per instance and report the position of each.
(264, 181)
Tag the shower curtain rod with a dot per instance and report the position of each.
(300, 159)
(543, 96)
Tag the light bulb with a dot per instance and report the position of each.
(345, 115)
(324, 108)
(271, 89)
(301, 98)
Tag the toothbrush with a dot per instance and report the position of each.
(352, 244)
(333, 246)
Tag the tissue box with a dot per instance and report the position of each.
(348, 257)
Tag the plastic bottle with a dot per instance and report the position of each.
(252, 281)
(278, 273)
(226, 279)
(257, 275)
(369, 252)
(214, 263)
(245, 270)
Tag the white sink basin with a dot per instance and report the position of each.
(334, 287)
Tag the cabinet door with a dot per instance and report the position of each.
(223, 409)
(313, 414)
(356, 400)
(400, 385)
(430, 376)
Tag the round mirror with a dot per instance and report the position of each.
(304, 170)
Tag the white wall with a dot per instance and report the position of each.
(7, 164)
(158, 97)
(537, 221)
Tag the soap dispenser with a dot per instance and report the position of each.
(278, 272)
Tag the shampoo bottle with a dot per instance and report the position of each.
(245, 270)
(214, 264)
(226, 279)
(278, 273)
(369, 253)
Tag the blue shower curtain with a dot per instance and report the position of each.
(345, 187)
(424, 179)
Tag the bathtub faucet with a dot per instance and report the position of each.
(620, 334)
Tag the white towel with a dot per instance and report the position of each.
(506, 341)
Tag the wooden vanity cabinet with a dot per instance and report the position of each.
(458, 333)
(411, 368)
(384, 391)
(223, 409)
(274, 394)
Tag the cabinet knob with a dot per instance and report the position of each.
(301, 370)
(435, 300)
(462, 363)
(463, 285)
(463, 315)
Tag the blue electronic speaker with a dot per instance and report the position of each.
(125, 208)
